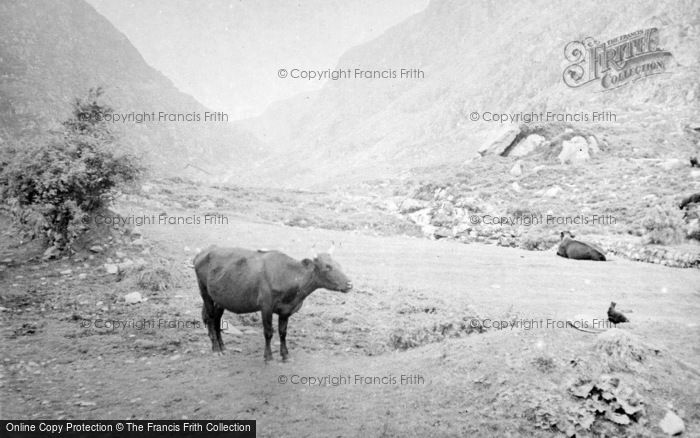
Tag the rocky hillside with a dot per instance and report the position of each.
(531, 184)
(477, 58)
(54, 51)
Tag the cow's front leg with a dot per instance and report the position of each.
(282, 323)
(267, 327)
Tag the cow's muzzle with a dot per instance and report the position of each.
(347, 288)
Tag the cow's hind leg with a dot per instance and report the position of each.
(218, 313)
(267, 327)
(282, 325)
(209, 315)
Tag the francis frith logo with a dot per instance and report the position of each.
(616, 62)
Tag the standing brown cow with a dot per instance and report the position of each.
(245, 281)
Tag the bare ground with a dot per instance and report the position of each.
(500, 383)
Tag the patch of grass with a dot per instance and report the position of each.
(544, 364)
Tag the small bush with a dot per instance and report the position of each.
(663, 226)
(159, 275)
(52, 187)
(155, 279)
(536, 241)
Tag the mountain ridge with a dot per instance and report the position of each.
(56, 50)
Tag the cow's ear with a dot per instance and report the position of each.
(561, 235)
(308, 263)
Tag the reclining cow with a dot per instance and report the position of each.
(578, 250)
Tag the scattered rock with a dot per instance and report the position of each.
(66, 272)
(119, 255)
(126, 264)
(139, 242)
(96, 248)
(233, 330)
(517, 169)
(411, 205)
(111, 268)
(7, 261)
(133, 298)
(552, 192)
(145, 344)
(672, 424)
(51, 253)
(82, 276)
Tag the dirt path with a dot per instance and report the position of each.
(478, 383)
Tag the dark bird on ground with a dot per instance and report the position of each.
(614, 316)
(694, 162)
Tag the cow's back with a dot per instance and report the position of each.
(578, 250)
(232, 277)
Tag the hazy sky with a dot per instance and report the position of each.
(227, 53)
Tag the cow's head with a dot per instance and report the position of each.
(328, 273)
(565, 234)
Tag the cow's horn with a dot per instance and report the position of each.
(332, 248)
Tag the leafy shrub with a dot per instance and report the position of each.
(52, 187)
(538, 241)
(663, 226)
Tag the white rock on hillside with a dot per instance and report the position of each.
(111, 268)
(133, 298)
(574, 151)
(532, 142)
(672, 424)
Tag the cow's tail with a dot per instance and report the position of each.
(201, 255)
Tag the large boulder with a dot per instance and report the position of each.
(532, 142)
(500, 141)
(574, 151)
